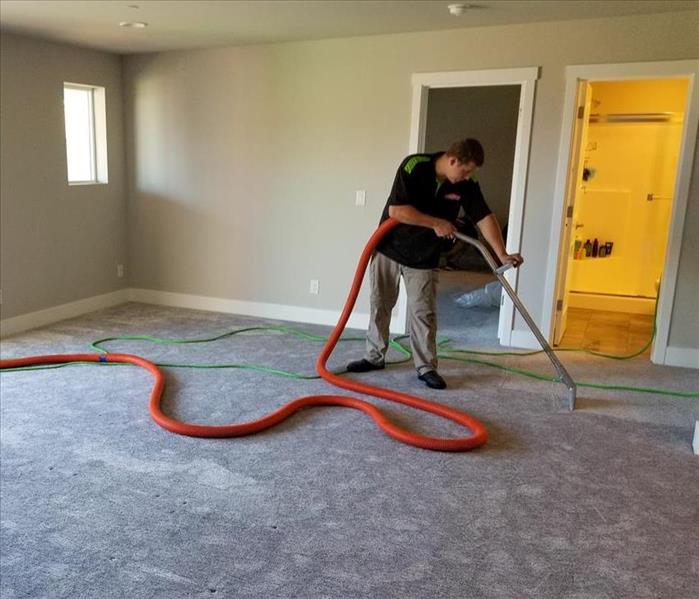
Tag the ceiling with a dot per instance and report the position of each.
(186, 24)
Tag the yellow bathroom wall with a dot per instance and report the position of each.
(628, 198)
(648, 95)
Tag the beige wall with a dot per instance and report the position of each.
(58, 243)
(245, 160)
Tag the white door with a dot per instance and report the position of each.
(573, 185)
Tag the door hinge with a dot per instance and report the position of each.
(559, 305)
(581, 111)
(569, 212)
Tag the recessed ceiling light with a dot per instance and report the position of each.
(133, 24)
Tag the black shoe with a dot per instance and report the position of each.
(432, 379)
(364, 366)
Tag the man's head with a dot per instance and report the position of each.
(462, 159)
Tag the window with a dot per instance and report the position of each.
(86, 135)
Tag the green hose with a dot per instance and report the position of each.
(542, 377)
(447, 352)
(444, 353)
(96, 345)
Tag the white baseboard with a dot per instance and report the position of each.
(17, 324)
(682, 356)
(611, 303)
(358, 320)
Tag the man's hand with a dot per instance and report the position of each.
(514, 259)
(491, 231)
(443, 228)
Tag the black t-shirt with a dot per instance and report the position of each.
(416, 184)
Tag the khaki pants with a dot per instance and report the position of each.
(421, 286)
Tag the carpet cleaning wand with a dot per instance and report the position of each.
(499, 272)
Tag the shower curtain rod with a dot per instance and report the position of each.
(634, 117)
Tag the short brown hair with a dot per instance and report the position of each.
(467, 150)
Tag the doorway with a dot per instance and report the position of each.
(517, 93)
(468, 294)
(630, 142)
(623, 176)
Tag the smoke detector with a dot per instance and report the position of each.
(458, 9)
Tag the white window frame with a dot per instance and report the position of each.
(98, 134)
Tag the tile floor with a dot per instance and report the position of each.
(608, 332)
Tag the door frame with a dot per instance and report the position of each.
(526, 78)
(688, 69)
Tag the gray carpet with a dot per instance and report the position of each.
(99, 502)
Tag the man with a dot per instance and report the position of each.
(430, 193)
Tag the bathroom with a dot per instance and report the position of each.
(622, 209)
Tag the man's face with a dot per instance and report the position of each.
(459, 171)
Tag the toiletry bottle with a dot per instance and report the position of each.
(576, 249)
(608, 247)
(587, 249)
(595, 248)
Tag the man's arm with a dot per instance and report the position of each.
(490, 229)
(409, 215)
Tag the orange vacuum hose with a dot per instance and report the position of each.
(477, 437)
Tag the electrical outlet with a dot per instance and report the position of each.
(360, 197)
(120, 271)
(314, 287)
